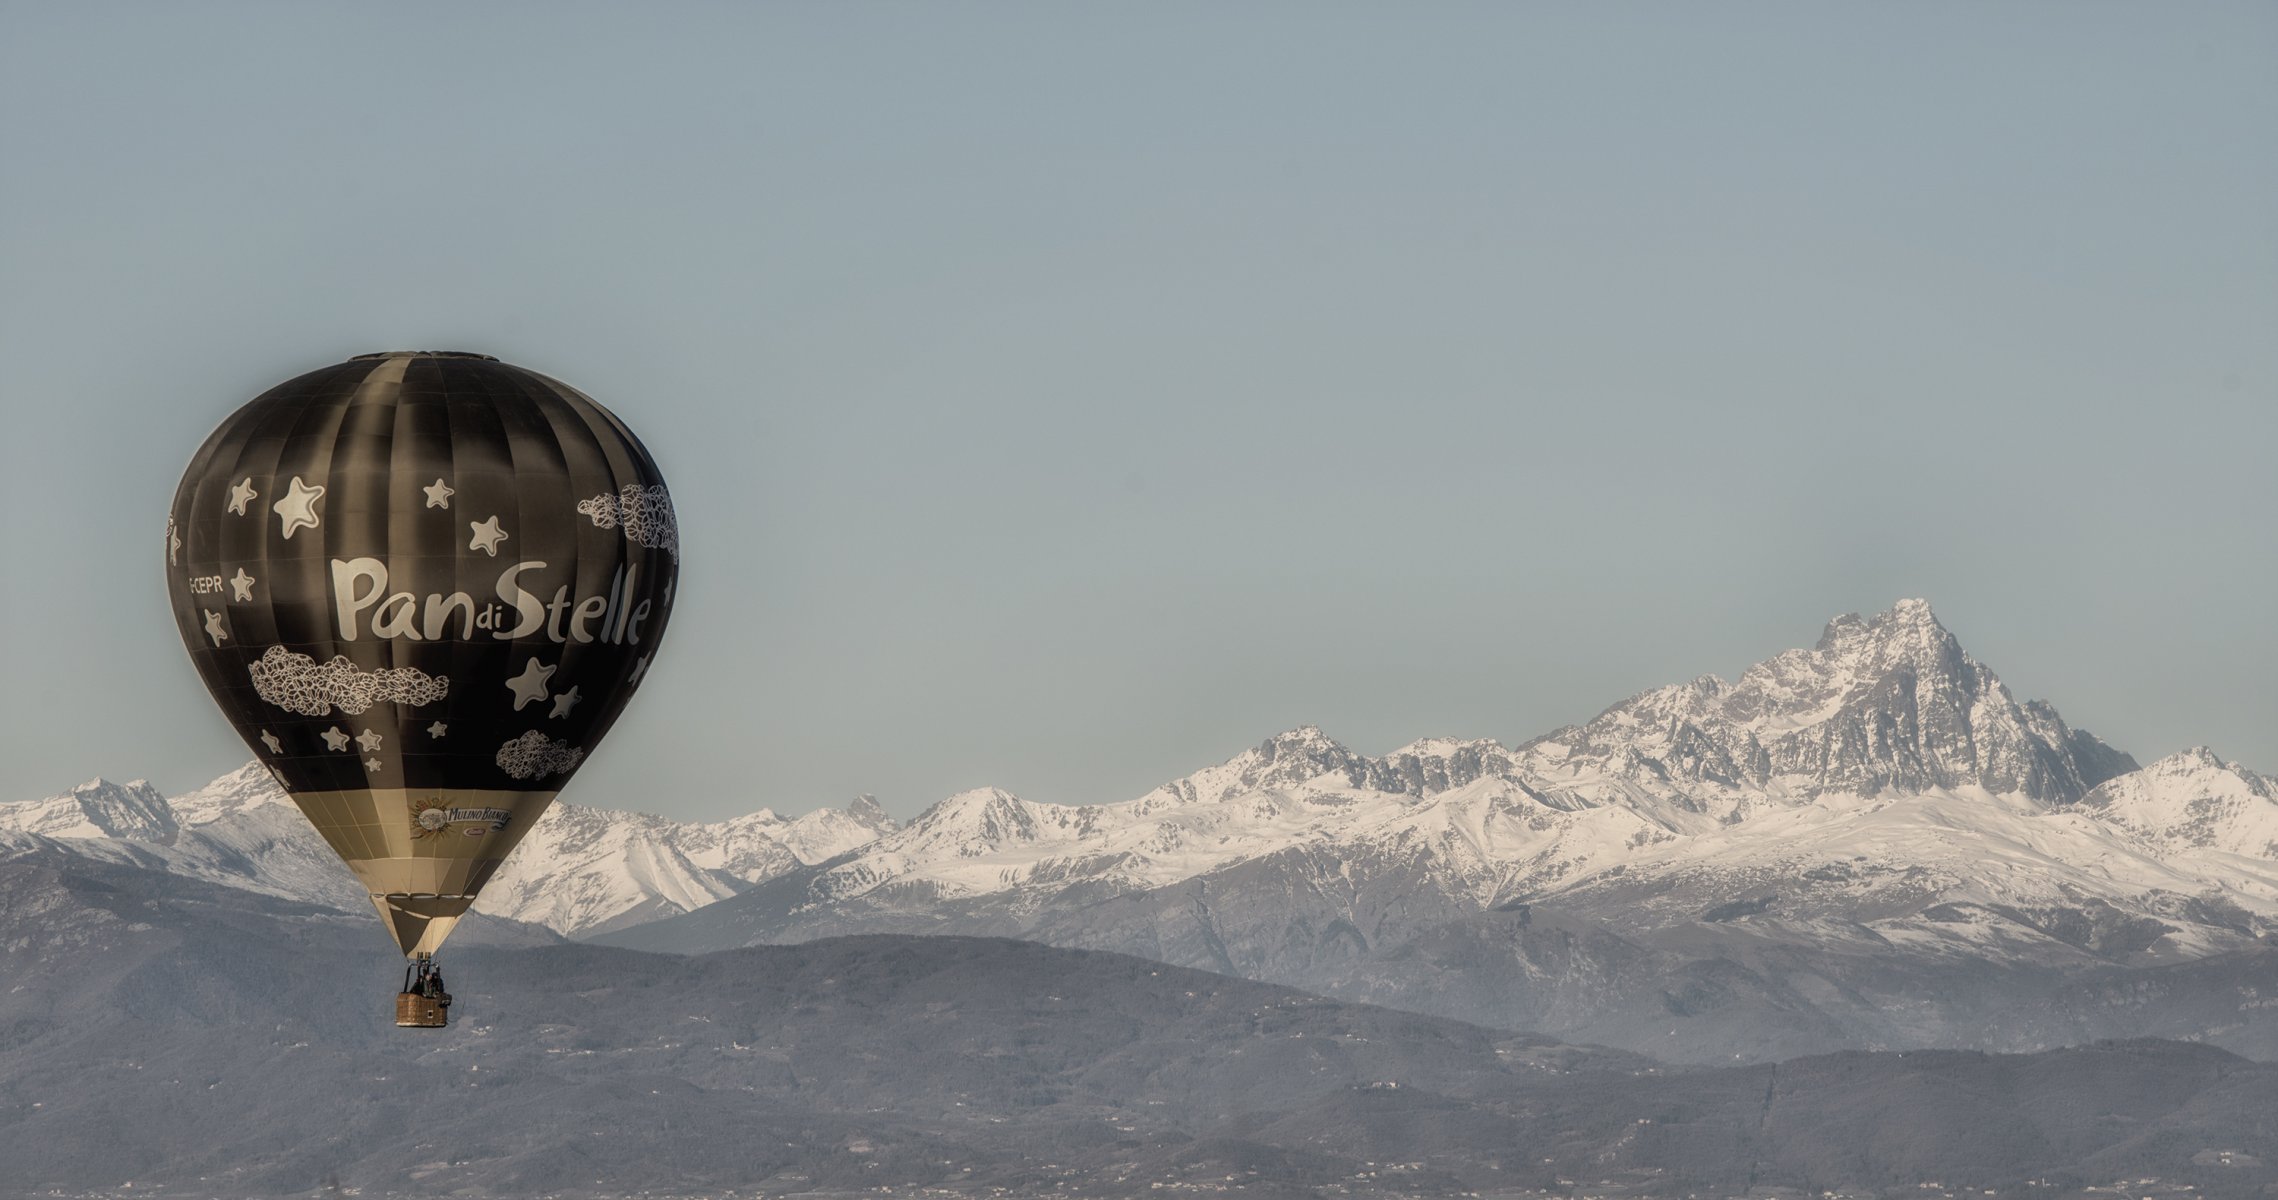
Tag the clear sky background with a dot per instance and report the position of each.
(1063, 397)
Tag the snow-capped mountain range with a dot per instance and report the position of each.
(1880, 786)
(1883, 780)
(580, 871)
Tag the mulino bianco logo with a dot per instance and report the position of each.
(432, 817)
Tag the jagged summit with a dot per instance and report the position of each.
(1283, 760)
(243, 790)
(1305, 739)
(1889, 703)
(1798, 688)
(1914, 616)
(989, 814)
(2197, 756)
(133, 811)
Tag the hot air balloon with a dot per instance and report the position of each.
(422, 586)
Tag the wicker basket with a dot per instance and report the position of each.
(414, 1011)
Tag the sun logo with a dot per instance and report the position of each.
(429, 817)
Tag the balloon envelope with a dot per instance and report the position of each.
(422, 586)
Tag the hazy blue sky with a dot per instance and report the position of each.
(1065, 396)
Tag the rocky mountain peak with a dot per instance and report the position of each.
(987, 815)
(1910, 633)
(1854, 654)
(2196, 758)
(2193, 800)
(827, 833)
(1294, 757)
(1844, 630)
(866, 809)
(1883, 703)
(247, 788)
(2197, 767)
(1429, 766)
(1305, 739)
(1853, 647)
(133, 811)
(1850, 627)
(1284, 760)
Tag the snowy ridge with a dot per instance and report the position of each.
(244, 790)
(580, 870)
(2190, 803)
(97, 808)
(238, 830)
(1455, 807)
(587, 870)
(1882, 786)
(1877, 865)
(1882, 707)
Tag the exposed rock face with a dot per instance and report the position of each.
(97, 808)
(1882, 705)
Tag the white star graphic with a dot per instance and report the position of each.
(438, 729)
(640, 668)
(530, 684)
(564, 702)
(369, 740)
(213, 627)
(242, 495)
(372, 765)
(241, 585)
(270, 740)
(298, 509)
(335, 740)
(487, 536)
(439, 493)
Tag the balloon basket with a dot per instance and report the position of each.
(414, 1011)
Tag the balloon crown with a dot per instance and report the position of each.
(425, 354)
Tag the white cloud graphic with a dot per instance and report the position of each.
(535, 756)
(298, 683)
(645, 514)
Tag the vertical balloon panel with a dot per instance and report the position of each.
(422, 587)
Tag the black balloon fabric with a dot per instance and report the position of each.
(424, 571)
